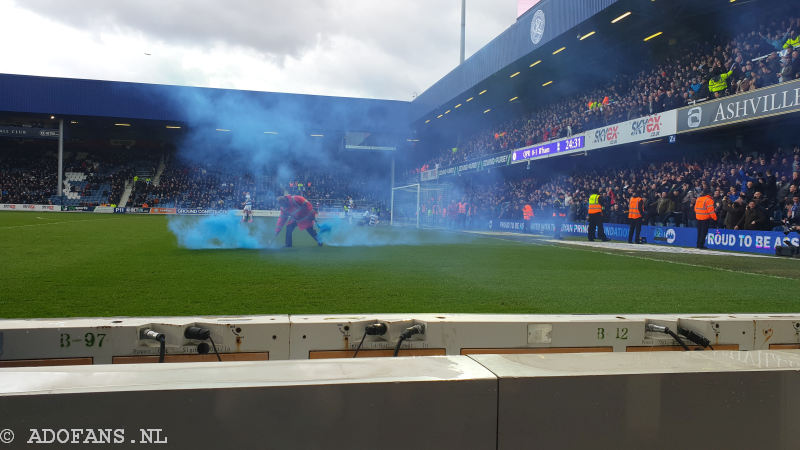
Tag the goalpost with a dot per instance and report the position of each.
(405, 205)
(419, 205)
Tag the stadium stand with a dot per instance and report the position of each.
(751, 60)
(670, 186)
(27, 175)
(25, 178)
(195, 186)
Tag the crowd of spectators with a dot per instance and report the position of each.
(749, 61)
(28, 172)
(188, 186)
(195, 186)
(26, 179)
(28, 175)
(751, 191)
(330, 190)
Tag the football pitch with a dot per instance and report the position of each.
(87, 265)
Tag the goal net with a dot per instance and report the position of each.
(419, 205)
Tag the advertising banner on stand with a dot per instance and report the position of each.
(769, 101)
(201, 211)
(636, 130)
(721, 239)
(27, 207)
(497, 160)
(763, 242)
(79, 208)
(429, 175)
(28, 132)
(163, 211)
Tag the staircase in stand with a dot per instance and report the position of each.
(126, 194)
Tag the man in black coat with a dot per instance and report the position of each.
(734, 212)
(754, 218)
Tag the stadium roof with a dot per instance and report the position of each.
(583, 43)
(67, 97)
(533, 30)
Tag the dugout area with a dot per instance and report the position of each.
(126, 340)
(619, 400)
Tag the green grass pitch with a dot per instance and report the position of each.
(86, 265)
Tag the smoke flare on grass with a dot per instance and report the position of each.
(224, 231)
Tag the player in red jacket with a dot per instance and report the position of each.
(296, 212)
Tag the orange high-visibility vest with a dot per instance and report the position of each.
(594, 204)
(527, 212)
(704, 208)
(462, 208)
(633, 208)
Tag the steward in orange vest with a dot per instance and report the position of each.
(705, 214)
(635, 213)
(527, 212)
(596, 217)
(527, 215)
(462, 213)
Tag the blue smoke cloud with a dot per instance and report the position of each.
(225, 231)
(233, 132)
(268, 132)
(341, 233)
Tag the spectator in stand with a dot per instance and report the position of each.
(792, 41)
(754, 217)
(718, 83)
(734, 212)
(665, 208)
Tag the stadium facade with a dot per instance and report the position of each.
(515, 395)
(552, 50)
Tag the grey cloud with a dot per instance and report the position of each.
(266, 26)
(414, 42)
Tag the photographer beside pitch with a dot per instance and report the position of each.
(296, 212)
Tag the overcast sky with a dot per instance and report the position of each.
(389, 49)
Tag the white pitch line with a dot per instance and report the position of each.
(598, 248)
(619, 245)
(52, 223)
(655, 248)
(592, 249)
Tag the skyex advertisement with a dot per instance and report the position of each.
(644, 128)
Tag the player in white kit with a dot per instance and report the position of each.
(248, 208)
